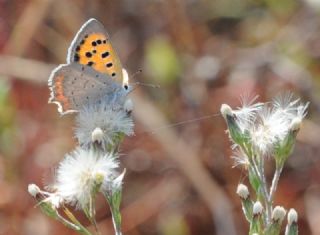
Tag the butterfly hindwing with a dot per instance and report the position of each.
(92, 46)
(74, 86)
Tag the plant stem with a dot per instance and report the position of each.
(68, 224)
(80, 228)
(259, 170)
(274, 184)
(268, 205)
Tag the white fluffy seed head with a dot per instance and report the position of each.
(278, 213)
(292, 216)
(225, 110)
(97, 135)
(243, 191)
(33, 190)
(128, 105)
(257, 208)
(111, 119)
(82, 172)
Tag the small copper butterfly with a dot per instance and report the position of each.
(93, 72)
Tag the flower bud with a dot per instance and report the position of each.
(226, 111)
(243, 191)
(234, 130)
(292, 216)
(278, 213)
(98, 180)
(97, 135)
(284, 147)
(295, 124)
(256, 222)
(292, 226)
(34, 190)
(257, 208)
(246, 202)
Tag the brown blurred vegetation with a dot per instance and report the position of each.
(202, 53)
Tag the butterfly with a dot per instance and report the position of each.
(93, 72)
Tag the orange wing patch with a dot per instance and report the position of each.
(58, 92)
(96, 50)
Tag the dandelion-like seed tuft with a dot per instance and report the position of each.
(82, 172)
(267, 124)
(102, 123)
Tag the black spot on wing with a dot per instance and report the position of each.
(90, 63)
(109, 65)
(88, 54)
(105, 54)
(76, 57)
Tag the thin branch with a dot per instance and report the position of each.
(274, 184)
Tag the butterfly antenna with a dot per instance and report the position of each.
(136, 84)
(146, 84)
(136, 73)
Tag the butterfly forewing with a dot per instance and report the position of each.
(92, 47)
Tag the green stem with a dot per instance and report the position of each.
(268, 205)
(78, 227)
(274, 184)
(259, 170)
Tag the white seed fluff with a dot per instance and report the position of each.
(269, 123)
(77, 173)
(112, 121)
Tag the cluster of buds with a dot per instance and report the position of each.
(260, 132)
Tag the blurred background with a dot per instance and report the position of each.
(202, 53)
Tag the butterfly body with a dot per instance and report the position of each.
(93, 72)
